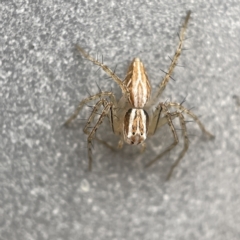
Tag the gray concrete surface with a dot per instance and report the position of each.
(46, 190)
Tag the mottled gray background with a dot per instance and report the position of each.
(46, 190)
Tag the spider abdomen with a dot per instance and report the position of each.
(137, 84)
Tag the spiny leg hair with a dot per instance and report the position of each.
(92, 133)
(159, 122)
(168, 115)
(85, 101)
(186, 144)
(175, 58)
(104, 103)
(106, 69)
(192, 115)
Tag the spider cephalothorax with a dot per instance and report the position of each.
(135, 126)
(129, 117)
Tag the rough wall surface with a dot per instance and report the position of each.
(46, 191)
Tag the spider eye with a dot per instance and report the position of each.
(132, 142)
(133, 133)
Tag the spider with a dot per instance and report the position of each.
(130, 117)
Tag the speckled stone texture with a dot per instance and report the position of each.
(46, 191)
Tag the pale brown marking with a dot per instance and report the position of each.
(138, 84)
(135, 126)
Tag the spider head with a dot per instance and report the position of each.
(135, 126)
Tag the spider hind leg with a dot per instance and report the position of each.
(174, 60)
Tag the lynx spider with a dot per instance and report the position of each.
(128, 116)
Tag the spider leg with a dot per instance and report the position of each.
(155, 120)
(86, 100)
(92, 133)
(192, 115)
(170, 123)
(175, 58)
(158, 121)
(186, 143)
(105, 68)
(93, 114)
(104, 103)
(112, 115)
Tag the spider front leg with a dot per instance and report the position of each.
(157, 121)
(85, 101)
(193, 116)
(168, 116)
(186, 143)
(101, 103)
(107, 108)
